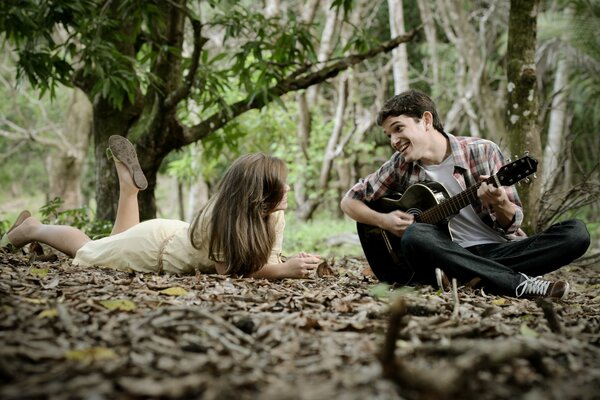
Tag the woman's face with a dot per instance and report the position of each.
(283, 204)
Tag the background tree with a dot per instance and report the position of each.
(239, 76)
(522, 102)
(155, 81)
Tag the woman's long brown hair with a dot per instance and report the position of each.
(240, 232)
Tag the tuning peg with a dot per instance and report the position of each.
(527, 180)
(534, 175)
(526, 153)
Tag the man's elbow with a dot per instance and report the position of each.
(344, 204)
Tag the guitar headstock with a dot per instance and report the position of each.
(517, 170)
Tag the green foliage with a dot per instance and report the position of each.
(80, 218)
(270, 52)
(4, 226)
(311, 236)
(99, 39)
(386, 292)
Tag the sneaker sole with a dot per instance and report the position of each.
(123, 150)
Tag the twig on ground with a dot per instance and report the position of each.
(550, 314)
(387, 356)
(456, 312)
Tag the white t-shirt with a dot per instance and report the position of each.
(467, 228)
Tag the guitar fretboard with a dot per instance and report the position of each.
(450, 206)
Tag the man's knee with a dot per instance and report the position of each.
(573, 237)
(579, 237)
(417, 237)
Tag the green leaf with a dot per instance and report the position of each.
(174, 291)
(39, 272)
(121, 305)
(380, 291)
(91, 354)
(528, 332)
(49, 313)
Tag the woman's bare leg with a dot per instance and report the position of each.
(131, 180)
(128, 211)
(63, 238)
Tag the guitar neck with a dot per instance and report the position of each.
(450, 206)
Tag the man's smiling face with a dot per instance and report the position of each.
(407, 135)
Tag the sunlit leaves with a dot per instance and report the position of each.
(174, 291)
(528, 332)
(91, 354)
(118, 304)
(271, 50)
(39, 272)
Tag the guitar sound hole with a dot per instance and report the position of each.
(414, 211)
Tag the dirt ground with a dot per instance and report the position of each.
(70, 332)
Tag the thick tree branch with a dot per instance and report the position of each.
(221, 118)
(184, 90)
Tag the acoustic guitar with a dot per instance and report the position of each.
(430, 203)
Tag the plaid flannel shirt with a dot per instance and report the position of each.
(473, 157)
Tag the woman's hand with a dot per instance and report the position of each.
(301, 266)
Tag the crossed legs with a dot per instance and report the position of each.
(68, 239)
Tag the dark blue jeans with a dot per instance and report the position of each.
(426, 247)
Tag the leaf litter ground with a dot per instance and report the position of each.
(72, 332)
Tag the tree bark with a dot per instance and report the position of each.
(325, 45)
(556, 129)
(399, 54)
(431, 38)
(150, 122)
(522, 105)
(66, 166)
(474, 99)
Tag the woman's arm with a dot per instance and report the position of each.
(296, 267)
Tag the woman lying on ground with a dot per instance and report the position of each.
(239, 232)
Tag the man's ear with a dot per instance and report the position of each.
(428, 117)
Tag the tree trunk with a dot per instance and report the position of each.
(65, 168)
(431, 37)
(150, 122)
(338, 126)
(522, 105)
(108, 121)
(474, 99)
(399, 54)
(556, 129)
(325, 45)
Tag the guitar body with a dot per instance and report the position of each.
(430, 203)
(382, 248)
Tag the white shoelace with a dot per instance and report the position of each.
(531, 285)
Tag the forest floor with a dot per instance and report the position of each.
(71, 332)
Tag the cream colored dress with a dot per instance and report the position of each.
(163, 245)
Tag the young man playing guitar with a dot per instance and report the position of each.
(481, 239)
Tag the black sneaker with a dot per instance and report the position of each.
(538, 287)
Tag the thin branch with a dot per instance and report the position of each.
(184, 90)
(222, 117)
